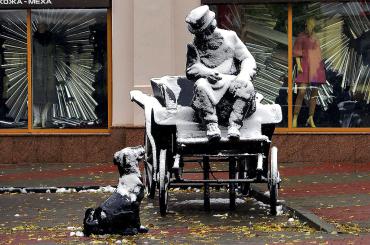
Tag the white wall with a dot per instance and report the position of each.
(149, 40)
(122, 60)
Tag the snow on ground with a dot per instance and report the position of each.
(103, 189)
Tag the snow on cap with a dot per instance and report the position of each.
(199, 19)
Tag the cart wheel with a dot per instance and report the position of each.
(148, 177)
(242, 174)
(164, 180)
(273, 181)
(232, 175)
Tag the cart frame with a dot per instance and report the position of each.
(168, 145)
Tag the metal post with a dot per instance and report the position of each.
(206, 169)
(232, 172)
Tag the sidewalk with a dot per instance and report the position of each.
(338, 193)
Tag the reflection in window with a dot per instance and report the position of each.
(263, 28)
(13, 69)
(69, 68)
(334, 70)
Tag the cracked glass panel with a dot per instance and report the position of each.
(263, 28)
(13, 69)
(69, 68)
(331, 75)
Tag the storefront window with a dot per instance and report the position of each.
(69, 68)
(13, 69)
(263, 28)
(331, 55)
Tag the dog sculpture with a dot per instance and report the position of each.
(119, 214)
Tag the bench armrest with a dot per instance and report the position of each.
(139, 98)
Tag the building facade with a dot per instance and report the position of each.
(67, 68)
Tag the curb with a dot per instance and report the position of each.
(305, 215)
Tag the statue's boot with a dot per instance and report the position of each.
(213, 132)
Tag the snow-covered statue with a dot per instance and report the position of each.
(222, 68)
(120, 213)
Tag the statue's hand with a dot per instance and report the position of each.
(214, 78)
(197, 69)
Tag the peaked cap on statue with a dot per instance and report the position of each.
(199, 19)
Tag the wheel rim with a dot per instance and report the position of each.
(148, 170)
(273, 181)
(148, 180)
(163, 182)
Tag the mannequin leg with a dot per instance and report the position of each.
(36, 115)
(312, 107)
(44, 114)
(298, 102)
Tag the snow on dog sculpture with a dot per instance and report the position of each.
(119, 214)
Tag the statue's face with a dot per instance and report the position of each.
(209, 30)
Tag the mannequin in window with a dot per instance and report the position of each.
(43, 74)
(311, 71)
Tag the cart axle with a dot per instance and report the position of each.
(254, 180)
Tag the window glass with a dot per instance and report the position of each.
(69, 68)
(13, 69)
(331, 55)
(263, 28)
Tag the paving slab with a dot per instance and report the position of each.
(338, 193)
(49, 218)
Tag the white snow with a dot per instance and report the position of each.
(103, 189)
(279, 210)
(107, 189)
(221, 215)
(16, 215)
(65, 190)
(77, 233)
(129, 185)
(103, 215)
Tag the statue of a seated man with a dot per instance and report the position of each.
(222, 68)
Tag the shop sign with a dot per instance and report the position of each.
(25, 4)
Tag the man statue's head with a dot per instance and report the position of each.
(201, 20)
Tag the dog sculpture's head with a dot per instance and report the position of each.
(128, 158)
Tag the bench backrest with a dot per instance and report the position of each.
(171, 91)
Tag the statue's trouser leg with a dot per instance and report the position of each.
(244, 104)
(205, 110)
(203, 105)
(238, 112)
(242, 108)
